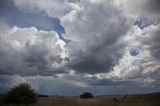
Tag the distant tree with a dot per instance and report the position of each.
(21, 95)
(86, 95)
(42, 95)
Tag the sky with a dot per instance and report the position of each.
(67, 47)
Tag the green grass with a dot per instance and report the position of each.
(129, 100)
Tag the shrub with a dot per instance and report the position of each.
(86, 95)
(21, 94)
(115, 100)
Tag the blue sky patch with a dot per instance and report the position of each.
(12, 16)
(142, 23)
(134, 52)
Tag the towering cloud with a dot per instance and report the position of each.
(95, 30)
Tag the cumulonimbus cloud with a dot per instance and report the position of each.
(95, 29)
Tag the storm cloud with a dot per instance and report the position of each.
(104, 46)
(154, 43)
(153, 6)
(95, 34)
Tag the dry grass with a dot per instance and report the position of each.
(132, 100)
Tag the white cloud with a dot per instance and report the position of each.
(28, 51)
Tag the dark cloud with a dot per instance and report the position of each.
(155, 44)
(99, 59)
(96, 44)
(153, 6)
(106, 82)
(41, 59)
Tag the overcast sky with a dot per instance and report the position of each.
(66, 47)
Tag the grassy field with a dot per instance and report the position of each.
(127, 100)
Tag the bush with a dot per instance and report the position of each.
(86, 95)
(115, 100)
(21, 94)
